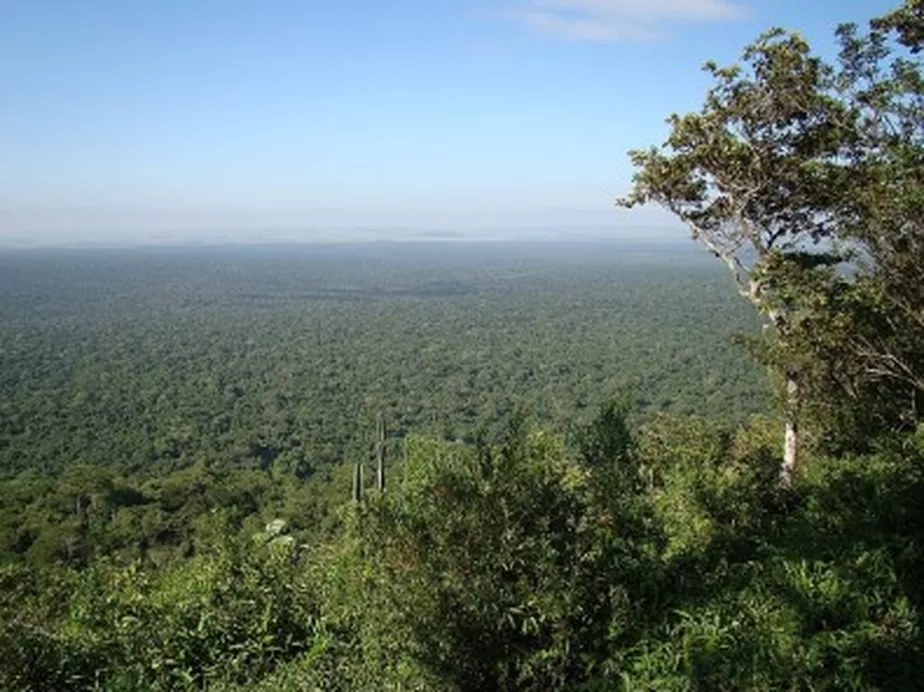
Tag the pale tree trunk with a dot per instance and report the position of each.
(791, 438)
(380, 451)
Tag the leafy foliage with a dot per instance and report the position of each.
(805, 179)
(141, 389)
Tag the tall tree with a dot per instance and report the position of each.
(751, 175)
(788, 174)
(883, 214)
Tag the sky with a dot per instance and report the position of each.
(133, 121)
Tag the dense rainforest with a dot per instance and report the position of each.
(172, 381)
(448, 466)
(580, 478)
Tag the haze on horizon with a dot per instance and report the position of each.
(234, 121)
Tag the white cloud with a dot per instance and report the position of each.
(614, 20)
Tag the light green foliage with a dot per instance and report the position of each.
(230, 615)
(496, 566)
(671, 560)
(818, 593)
(708, 484)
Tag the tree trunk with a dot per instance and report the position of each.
(381, 435)
(357, 483)
(791, 438)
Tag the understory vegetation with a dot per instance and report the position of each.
(668, 558)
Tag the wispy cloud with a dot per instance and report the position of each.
(615, 20)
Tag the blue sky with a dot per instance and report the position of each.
(147, 119)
